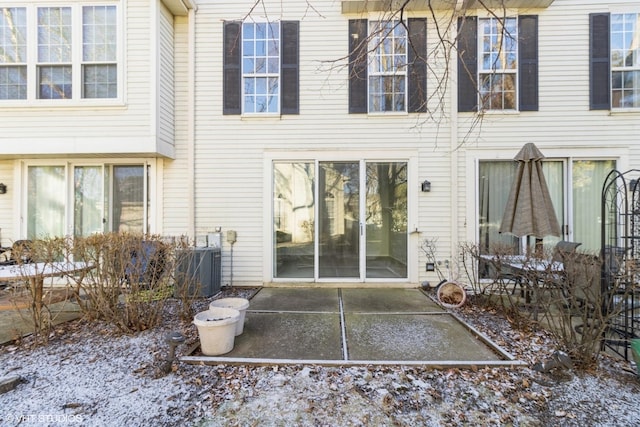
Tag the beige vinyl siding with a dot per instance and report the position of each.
(564, 126)
(166, 78)
(125, 128)
(175, 220)
(7, 216)
(231, 180)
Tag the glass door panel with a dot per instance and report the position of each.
(386, 220)
(87, 213)
(293, 220)
(587, 179)
(46, 201)
(339, 220)
(128, 199)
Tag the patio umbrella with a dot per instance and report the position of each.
(529, 211)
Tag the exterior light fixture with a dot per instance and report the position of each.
(426, 186)
(3, 188)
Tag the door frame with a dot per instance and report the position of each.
(400, 155)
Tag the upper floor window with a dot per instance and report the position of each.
(498, 63)
(13, 53)
(387, 66)
(260, 68)
(60, 52)
(614, 58)
(625, 60)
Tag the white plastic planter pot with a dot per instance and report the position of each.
(451, 294)
(217, 330)
(240, 304)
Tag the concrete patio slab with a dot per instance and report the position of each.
(295, 299)
(302, 336)
(338, 326)
(413, 337)
(387, 301)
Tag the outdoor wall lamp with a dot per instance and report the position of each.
(3, 188)
(426, 186)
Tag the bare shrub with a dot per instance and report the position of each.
(131, 279)
(33, 265)
(579, 314)
(493, 285)
(568, 301)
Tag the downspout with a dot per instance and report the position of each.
(453, 136)
(191, 132)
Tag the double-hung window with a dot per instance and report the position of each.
(99, 52)
(260, 68)
(625, 60)
(614, 61)
(55, 62)
(498, 63)
(387, 66)
(59, 52)
(13, 53)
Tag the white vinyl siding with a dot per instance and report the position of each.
(123, 126)
(166, 74)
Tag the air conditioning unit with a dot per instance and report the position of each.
(198, 272)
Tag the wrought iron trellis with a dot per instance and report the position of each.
(620, 255)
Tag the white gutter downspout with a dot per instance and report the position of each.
(191, 132)
(453, 136)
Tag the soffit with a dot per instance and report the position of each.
(179, 7)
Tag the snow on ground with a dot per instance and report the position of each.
(88, 375)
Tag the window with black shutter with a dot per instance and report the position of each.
(264, 79)
(486, 79)
(374, 85)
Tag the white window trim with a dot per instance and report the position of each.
(150, 176)
(633, 68)
(278, 113)
(502, 71)
(404, 73)
(552, 152)
(32, 58)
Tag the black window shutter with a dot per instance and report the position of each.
(417, 70)
(232, 72)
(528, 62)
(599, 65)
(467, 64)
(289, 67)
(358, 66)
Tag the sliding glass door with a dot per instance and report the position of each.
(574, 186)
(81, 200)
(356, 231)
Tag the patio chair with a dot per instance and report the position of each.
(562, 249)
(146, 265)
(564, 253)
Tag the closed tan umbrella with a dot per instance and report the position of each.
(529, 211)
